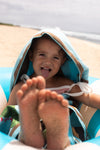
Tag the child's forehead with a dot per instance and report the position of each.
(56, 52)
(38, 41)
(42, 42)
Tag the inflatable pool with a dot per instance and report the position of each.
(91, 117)
(10, 76)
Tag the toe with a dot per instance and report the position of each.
(34, 82)
(59, 97)
(19, 94)
(64, 103)
(41, 82)
(29, 82)
(53, 95)
(42, 96)
(24, 87)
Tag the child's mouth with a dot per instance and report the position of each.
(45, 71)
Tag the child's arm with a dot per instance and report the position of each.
(12, 98)
(90, 99)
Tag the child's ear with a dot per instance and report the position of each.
(30, 54)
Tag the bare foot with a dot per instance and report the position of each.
(27, 98)
(55, 114)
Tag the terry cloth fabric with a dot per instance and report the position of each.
(73, 68)
(11, 144)
(5, 124)
(9, 121)
(3, 100)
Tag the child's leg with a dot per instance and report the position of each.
(55, 117)
(27, 98)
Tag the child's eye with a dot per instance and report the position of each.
(41, 54)
(57, 58)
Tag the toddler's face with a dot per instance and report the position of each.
(47, 58)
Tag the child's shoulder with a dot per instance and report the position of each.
(63, 81)
(17, 86)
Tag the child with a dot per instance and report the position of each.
(38, 99)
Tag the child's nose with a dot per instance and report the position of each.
(48, 61)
